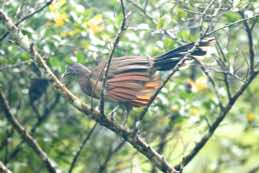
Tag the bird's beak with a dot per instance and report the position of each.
(65, 75)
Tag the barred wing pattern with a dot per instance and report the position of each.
(131, 80)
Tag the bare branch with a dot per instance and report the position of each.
(76, 157)
(8, 66)
(150, 18)
(225, 74)
(26, 136)
(27, 17)
(109, 156)
(42, 118)
(230, 25)
(163, 140)
(199, 145)
(135, 140)
(4, 169)
(250, 43)
(176, 68)
(143, 11)
(115, 43)
(211, 80)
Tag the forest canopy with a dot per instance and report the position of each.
(202, 113)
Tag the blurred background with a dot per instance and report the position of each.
(83, 31)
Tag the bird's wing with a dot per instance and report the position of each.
(130, 79)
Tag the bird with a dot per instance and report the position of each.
(131, 80)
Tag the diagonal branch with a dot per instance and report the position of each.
(150, 18)
(135, 140)
(223, 111)
(115, 43)
(27, 17)
(177, 67)
(110, 154)
(4, 169)
(231, 24)
(213, 83)
(199, 145)
(40, 121)
(76, 157)
(152, 99)
(143, 11)
(163, 140)
(26, 136)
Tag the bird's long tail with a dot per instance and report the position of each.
(169, 60)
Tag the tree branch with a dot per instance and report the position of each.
(76, 157)
(162, 140)
(135, 140)
(230, 25)
(40, 120)
(213, 83)
(199, 145)
(27, 17)
(150, 18)
(111, 152)
(4, 169)
(178, 65)
(227, 85)
(26, 136)
(250, 43)
(107, 67)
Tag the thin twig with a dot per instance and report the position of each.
(150, 18)
(213, 83)
(27, 17)
(143, 11)
(215, 124)
(8, 66)
(152, 99)
(111, 153)
(163, 140)
(176, 68)
(26, 136)
(42, 118)
(253, 24)
(250, 43)
(76, 157)
(115, 43)
(225, 74)
(135, 140)
(230, 25)
(203, 16)
(199, 145)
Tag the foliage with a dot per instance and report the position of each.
(83, 31)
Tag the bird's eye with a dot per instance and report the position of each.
(70, 68)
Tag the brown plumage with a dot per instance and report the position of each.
(132, 80)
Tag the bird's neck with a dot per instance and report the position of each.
(89, 85)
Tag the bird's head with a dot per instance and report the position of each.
(76, 70)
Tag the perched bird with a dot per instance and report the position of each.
(132, 80)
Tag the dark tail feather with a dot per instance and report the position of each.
(169, 60)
